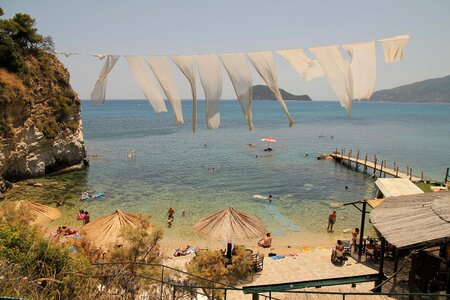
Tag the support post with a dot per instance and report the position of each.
(374, 166)
(395, 165)
(396, 261)
(407, 170)
(380, 266)
(365, 164)
(357, 158)
(446, 175)
(162, 282)
(396, 172)
(255, 296)
(381, 169)
(410, 174)
(447, 291)
(421, 176)
(361, 233)
(412, 275)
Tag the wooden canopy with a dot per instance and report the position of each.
(230, 224)
(107, 230)
(414, 220)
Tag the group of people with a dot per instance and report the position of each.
(83, 215)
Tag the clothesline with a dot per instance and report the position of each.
(350, 79)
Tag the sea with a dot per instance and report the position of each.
(209, 170)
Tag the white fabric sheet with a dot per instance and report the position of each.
(161, 69)
(141, 73)
(186, 65)
(241, 78)
(338, 73)
(393, 48)
(364, 68)
(98, 95)
(211, 79)
(306, 67)
(265, 66)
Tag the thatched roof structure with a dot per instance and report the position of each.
(230, 224)
(414, 220)
(107, 230)
(39, 213)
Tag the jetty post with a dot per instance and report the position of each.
(446, 176)
(357, 159)
(365, 164)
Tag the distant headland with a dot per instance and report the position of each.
(262, 92)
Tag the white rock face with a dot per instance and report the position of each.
(31, 154)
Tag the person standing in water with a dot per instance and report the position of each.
(269, 198)
(331, 221)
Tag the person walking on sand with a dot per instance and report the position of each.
(354, 237)
(331, 221)
(171, 213)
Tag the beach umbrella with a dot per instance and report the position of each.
(40, 213)
(269, 140)
(230, 224)
(107, 230)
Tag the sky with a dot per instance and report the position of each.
(169, 27)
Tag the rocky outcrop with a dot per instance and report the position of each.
(40, 120)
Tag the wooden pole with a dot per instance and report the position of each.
(407, 170)
(375, 166)
(446, 176)
(396, 173)
(421, 176)
(365, 164)
(349, 156)
(381, 169)
(361, 233)
(412, 274)
(396, 261)
(395, 165)
(357, 158)
(380, 266)
(410, 174)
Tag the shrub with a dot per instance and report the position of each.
(10, 57)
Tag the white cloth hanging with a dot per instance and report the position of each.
(364, 68)
(338, 73)
(265, 66)
(211, 80)
(186, 65)
(306, 67)
(241, 78)
(99, 93)
(141, 73)
(100, 56)
(393, 48)
(161, 69)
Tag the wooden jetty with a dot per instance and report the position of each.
(378, 167)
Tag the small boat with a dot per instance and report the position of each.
(91, 196)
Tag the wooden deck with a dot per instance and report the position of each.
(379, 167)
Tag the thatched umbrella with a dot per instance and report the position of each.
(230, 224)
(107, 230)
(40, 213)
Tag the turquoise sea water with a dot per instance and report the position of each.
(172, 164)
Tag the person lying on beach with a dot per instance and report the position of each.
(65, 230)
(184, 251)
(265, 242)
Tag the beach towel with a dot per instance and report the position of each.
(161, 69)
(265, 66)
(363, 67)
(211, 80)
(186, 65)
(241, 78)
(393, 48)
(307, 68)
(99, 93)
(277, 257)
(141, 73)
(338, 73)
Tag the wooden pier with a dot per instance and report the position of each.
(378, 167)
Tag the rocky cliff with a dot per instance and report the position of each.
(40, 120)
(262, 92)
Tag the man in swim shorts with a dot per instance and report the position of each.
(331, 221)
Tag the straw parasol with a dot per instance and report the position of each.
(107, 230)
(230, 224)
(39, 212)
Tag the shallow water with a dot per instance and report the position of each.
(173, 167)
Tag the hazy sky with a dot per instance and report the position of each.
(165, 27)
